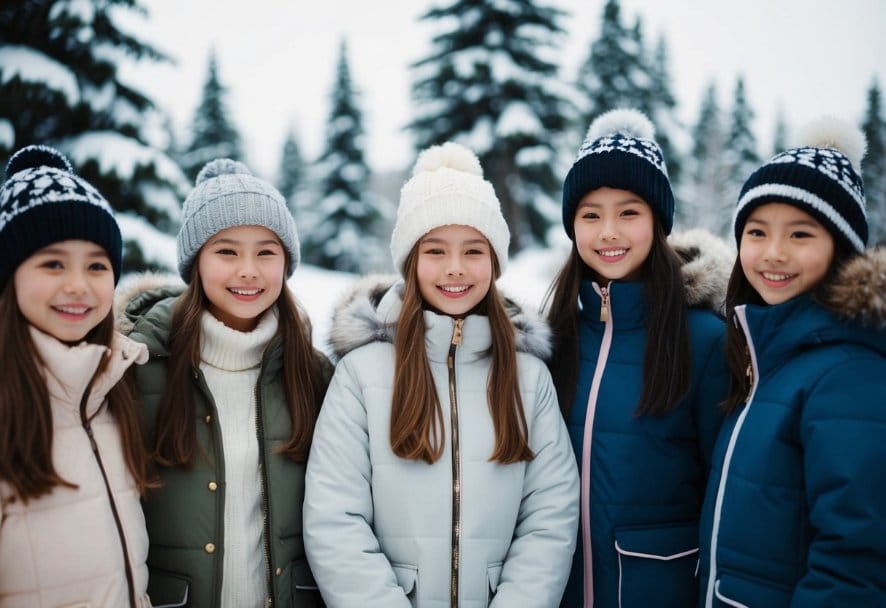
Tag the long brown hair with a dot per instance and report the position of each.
(417, 428)
(176, 437)
(738, 292)
(26, 431)
(667, 361)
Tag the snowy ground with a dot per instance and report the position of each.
(526, 280)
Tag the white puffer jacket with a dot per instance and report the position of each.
(63, 549)
(379, 528)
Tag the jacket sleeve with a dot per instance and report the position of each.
(713, 385)
(844, 458)
(540, 556)
(341, 547)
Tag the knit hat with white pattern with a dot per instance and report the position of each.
(819, 177)
(43, 202)
(620, 152)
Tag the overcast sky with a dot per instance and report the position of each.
(277, 58)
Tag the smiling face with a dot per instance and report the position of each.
(613, 233)
(785, 252)
(242, 270)
(65, 289)
(454, 269)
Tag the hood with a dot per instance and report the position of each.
(358, 319)
(859, 291)
(143, 307)
(707, 264)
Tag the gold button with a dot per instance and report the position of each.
(208, 418)
(279, 571)
(209, 548)
(213, 486)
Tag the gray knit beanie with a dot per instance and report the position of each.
(228, 195)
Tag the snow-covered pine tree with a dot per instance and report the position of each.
(661, 107)
(59, 85)
(704, 200)
(740, 153)
(291, 174)
(490, 83)
(213, 134)
(344, 218)
(873, 166)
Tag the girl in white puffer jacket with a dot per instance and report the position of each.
(441, 472)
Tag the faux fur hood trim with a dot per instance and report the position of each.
(356, 320)
(133, 288)
(707, 264)
(859, 290)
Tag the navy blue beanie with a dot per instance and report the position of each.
(619, 152)
(43, 202)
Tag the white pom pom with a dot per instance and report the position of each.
(831, 132)
(222, 166)
(451, 155)
(626, 121)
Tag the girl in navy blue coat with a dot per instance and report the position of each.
(795, 511)
(639, 370)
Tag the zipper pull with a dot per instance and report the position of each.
(456, 332)
(749, 372)
(604, 304)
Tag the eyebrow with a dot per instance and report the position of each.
(810, 223)
(227, 241)
(435, 240)
(98, 252)
(619, 203)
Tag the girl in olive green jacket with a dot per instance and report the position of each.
(231, 395)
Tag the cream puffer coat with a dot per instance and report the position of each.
(384, 531)
(64, 548)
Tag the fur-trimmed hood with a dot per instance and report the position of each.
(707, 264)
(136, 295)
(859, 290)
(361, 317)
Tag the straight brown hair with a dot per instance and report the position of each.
(667, 360)
(175, 443)
(417, 427)
(738, 292)
(26, 431)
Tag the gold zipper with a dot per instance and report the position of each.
(456, 464)
(604, 304)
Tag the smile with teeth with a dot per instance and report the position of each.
(454, 289)
(72, 310)
(245, 292)
(611, 253)
(777, 276)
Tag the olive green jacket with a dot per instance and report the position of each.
(185, 517)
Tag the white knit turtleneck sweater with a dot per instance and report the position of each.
(230, 363)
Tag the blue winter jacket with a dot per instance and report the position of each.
(795, 511)
(647, 474)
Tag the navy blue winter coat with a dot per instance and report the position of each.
(647, 474)
(795, 511)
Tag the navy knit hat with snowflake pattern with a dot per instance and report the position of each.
(819, 177)
(620, 152)
(43, 202)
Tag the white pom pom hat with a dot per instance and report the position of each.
(820, 176)
(447, 188)
(228, 195)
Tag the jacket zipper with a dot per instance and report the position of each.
(754, 370)
(602, 358)
(265, 502)
(87, 426)
(200, 380)
(456, 464)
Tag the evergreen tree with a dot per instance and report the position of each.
(213, 135)
(345, 217)
(705, 202)
(780, 134)
(740, 153)
(489, 82)
(873, 166)
(661, 107)
(59, 86)
(292, 168)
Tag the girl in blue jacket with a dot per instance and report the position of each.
(440, 473)
(795, 510)
(639, 370)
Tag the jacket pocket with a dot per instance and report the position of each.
(407, 578)
(168, 589)
(742, 592)
(304, 589)
(493, 575)
(657, 565)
